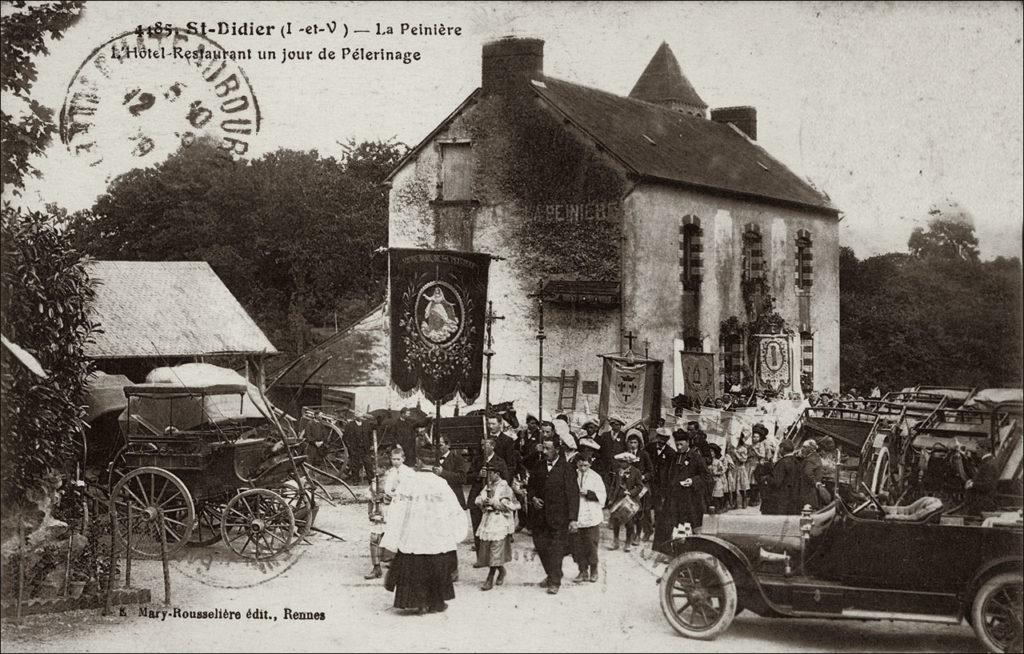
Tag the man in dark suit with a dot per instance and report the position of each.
(981, 489)
(478, 479)
(558, 506)
(662, 457)
(452, 468)
(402, 432)
(504, 445)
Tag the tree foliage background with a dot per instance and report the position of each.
(23, 34)
(935, 316)
(44, 289)
(291, 234)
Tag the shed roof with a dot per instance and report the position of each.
(167, 309)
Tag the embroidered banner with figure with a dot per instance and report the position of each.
(774, 365)
(438, 301)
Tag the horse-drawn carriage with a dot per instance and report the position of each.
(197, 468)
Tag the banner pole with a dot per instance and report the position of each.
(540, 346)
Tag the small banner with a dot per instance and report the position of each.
(631, 391)
(438, 302)
(774, 365)
(699, 379)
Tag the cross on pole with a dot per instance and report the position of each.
(630, 336)
(489, 319)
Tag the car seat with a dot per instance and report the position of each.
(920, 510)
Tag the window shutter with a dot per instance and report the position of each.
(456, 172)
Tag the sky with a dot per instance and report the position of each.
(890, 108)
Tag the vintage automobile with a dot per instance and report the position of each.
(870, 562)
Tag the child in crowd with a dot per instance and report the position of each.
(498, 504)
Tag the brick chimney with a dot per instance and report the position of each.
(744, 118)
(511, 62)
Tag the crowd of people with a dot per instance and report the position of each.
(557, 484)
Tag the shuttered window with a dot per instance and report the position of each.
(804, 264)
(807, 355)
(753, 253)
(691, 253)
(456, 172)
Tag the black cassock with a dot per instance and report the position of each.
(687, 504)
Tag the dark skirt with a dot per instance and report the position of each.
(423, 581)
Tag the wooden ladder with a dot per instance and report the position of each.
(567, 386)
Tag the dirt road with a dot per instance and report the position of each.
(325, 579)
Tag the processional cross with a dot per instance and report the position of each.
(489, 318)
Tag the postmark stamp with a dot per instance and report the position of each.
(139, 97)
(217, 567)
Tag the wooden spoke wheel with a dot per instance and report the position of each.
(207, 530)
(698, 595)
(258, 524)
(148, 501)
(997, 611)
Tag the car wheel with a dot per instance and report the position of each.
(996, 612)
(698, 595)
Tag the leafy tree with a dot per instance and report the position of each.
(908, 320)
(46, 292)
(950, 235)
(23, 32)
(291, 234)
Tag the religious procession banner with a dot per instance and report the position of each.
(438, 301)
(630, 390)
(776, 367)
(699, 378)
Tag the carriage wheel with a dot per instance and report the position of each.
(303, 506)
(154, 497)
(698, 595)
(258, 524)
(207, 529)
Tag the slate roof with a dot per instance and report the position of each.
(659, 143)
(360, 356)
(168, 308)
(663, 81)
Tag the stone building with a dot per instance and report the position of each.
(647, 215)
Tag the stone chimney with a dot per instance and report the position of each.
(744, 118)
(511, 62)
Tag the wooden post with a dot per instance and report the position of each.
(437, 419)
(21, 567)
(107, 605)
(163, 559)
(128, 551)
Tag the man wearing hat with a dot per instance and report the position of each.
(686, 495)
(812, 486)
(662, 454)
(557, 502)
(618, 437)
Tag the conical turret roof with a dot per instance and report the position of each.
(663, 82)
